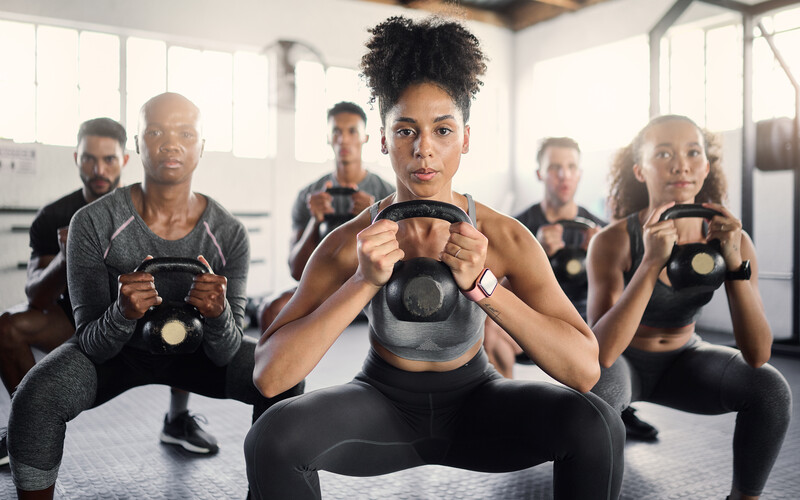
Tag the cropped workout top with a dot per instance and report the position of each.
(434, 341)
(668, 308)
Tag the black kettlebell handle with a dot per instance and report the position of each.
(581, 223)
(340, 191)
(423, 208)
(689, 210)
(172, 265)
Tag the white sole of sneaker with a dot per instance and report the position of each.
(4, 460)
(184, 444)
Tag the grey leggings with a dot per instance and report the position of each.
(710, 380)
(388, 419)
(66, 382)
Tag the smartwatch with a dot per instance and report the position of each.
(743, 273)
(484, 286)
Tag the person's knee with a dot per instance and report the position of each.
(58, 387)
(614, 386)
(599, 418)
(768, 391)
(8, 331)
(270, 309)
(273, 437)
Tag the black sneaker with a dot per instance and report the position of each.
(635, 428)
(3, 446)
(186, 432)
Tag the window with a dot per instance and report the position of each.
(18, 81)
(704, 72)
(63, 76)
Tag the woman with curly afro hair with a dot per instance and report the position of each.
(426, 393)
(645, 326)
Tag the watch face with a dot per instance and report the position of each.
(488, 282)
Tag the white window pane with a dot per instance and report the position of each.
(17, 52)
(57, 91)
(773, 95)
(94, 104)
(787, 44)
(787, 20)
(185, 72)
(205, 77)
(250, 105)
(98, 61)
(57, 56)
(724, 78)
(216, 101)
(18, 118)
(146, 70)
(687, 76)
(310, 113)
(57, 115)
(17, 81)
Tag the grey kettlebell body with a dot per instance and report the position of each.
(422, 289)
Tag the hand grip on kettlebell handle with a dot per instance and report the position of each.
(422, 289)
(334, 220)
(172, 327)
(696, 266)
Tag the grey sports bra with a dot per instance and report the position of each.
(667, 308)
(440, 341)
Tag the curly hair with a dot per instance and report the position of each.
(402, 52)
(628, 195)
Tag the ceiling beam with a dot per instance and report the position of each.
(449, 9)
(565, 4)
(530, 13)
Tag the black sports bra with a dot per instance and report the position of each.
(667, 308)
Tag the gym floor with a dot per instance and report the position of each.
(113, 451)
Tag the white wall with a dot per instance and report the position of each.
(337, 28)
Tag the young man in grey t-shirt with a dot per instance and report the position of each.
(347, 135)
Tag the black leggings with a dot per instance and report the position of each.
(66, 382)
(710, 380)
(388, 419)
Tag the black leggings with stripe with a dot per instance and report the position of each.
(387, 420)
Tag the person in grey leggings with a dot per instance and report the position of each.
(426, 393)
(649, 350)
(108, 239)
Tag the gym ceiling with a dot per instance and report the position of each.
(512, 14)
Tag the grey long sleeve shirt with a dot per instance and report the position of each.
(108, 238)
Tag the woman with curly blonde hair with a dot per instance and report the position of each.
(649, 350)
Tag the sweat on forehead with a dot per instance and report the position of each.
(170, 103)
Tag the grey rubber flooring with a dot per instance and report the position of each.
(113, 452)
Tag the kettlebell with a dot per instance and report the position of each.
(172, 327)
(569, 263)
(696, 266)
(334, 220)
(422, 289)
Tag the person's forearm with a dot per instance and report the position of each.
(288, 354)
(564, 352)
(302, 249)
(750, 326)
(617, 327)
